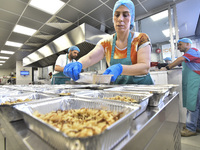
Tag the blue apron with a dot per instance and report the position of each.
(124, 79)
(190, 87)
(60, 78)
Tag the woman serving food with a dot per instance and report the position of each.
(127, 53)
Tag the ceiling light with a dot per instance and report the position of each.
(166, 32)
(24, 30)
(7, 52)
(15, 44)
(160, 15)
(2, 61)
(3, 57)
(1, 64)
(49, 6)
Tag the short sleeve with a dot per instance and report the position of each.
(60, 61)
(144, 40)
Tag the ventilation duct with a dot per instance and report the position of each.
(83, 36)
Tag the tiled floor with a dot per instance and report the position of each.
(190, 143)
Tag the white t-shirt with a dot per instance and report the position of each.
(61, 61)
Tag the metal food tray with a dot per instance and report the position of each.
(106, 140)
(172, 87)
(142, 99)
(159, 94)
(9, 92)
(72, 91)
(10, 113)
(100, 86)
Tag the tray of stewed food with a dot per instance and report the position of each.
(129, 98)
(159, 93)
(79, 123)
(7, 103)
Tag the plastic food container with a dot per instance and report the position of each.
(93, 78)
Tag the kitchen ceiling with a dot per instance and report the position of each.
(97, 13)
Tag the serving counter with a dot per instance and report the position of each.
(156, 128)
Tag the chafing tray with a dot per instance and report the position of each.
(106, 140)
(159, 93)
(141, 99)
(11, 114)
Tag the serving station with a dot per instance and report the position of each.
(150, 117)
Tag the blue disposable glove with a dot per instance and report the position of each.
(72, 70)
(114, 70)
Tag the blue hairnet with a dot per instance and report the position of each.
(72, 48)
(185, 40)
(168, 59)
(129, 4)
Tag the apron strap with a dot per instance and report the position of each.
(128, 46)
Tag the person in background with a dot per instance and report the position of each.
(62, 60)
(168, 60)
(127, 53)
(190, 85)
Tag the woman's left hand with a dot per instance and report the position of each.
(114, 70)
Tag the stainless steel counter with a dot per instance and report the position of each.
(156, 128)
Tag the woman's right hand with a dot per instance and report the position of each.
(73, 70)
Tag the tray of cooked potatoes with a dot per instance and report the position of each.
(79, 123)
(159, 93)
(7, 103)
(130, 98)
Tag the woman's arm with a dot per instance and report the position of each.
(93, 57)
(143, 63)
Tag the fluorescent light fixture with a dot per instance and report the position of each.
(2, 61)
(24, 30)
(3, 57)
(15, 44)
(7, 52)
(1, 64)
(160, 15)
(166, 32)
(49, 6)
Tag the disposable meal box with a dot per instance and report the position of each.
(140, 98)
(93, 78)
(159, 93)
(9, 113)
(106, 140)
